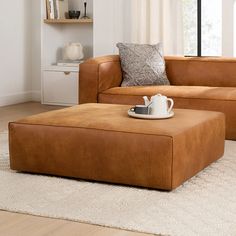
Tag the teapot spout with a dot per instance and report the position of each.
(146, 101)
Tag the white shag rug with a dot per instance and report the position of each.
(203, 206)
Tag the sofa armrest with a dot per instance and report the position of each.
(97, 75)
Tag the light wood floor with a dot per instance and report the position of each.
(12, 224)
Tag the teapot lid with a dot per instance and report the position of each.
(159, 96)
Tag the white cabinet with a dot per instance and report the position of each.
(99, 36)
(60, 88)
(60, 84)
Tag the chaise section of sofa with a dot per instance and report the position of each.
(196, 83)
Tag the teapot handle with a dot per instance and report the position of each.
(171, 104)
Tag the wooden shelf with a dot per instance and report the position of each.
(68, 21)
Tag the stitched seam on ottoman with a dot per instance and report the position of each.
(98, 80)
(74, 127)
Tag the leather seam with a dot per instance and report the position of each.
(74, 127)
(197, 61)
(172, 164)
(98, 81)
(100, 63)
(170, 96)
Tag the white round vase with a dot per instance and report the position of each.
(73, 52)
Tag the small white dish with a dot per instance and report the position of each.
(150, 117)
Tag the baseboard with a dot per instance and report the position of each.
(36, 96)
(16, 98)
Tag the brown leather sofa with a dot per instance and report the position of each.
(196, 83)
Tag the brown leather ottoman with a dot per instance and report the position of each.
(100, 142)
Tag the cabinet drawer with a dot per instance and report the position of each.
(60, 88)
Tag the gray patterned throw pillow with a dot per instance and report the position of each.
(142, 65)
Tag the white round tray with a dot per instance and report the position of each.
(150, 117)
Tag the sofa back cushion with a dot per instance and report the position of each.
(203, 71)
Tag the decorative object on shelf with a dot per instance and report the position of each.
(50, 9)
(77, 14)
(62, 7)
(56, 9)
(85, 11)
(73, 52)
(74, 14)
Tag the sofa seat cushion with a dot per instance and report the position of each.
(199, 92)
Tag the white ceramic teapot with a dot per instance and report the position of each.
(73, 52)
(159, 105)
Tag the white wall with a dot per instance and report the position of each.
(15, 48)
(36, 49)
(114, 18)
(228, 28)
(234, 28)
